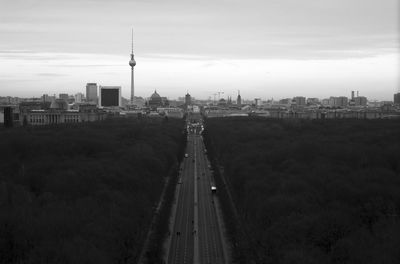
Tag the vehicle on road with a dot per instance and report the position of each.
(186, 155)
(213, 189)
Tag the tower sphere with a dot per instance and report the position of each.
(132, 62)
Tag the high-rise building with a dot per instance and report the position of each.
(91, 92)
(79, 97)
(396, 98)
(8, 117)
(239, 99)
(110, 96)
(132, 63)
(188, 99)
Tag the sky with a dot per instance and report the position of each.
(264, 48)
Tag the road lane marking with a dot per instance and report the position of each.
(196, 259)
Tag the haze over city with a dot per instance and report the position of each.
(267, 49)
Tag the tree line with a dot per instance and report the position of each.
(84, 193)
(309, 191)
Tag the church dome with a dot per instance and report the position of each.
(155, 95)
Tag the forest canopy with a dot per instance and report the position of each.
(311, 191)
(83, 193)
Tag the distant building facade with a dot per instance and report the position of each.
(325, 102)
(47, 98)
(341, 101)
(188, 100)
(360, 101)
(8, 117)
(396, 98)
(239, 99)
(299, 100)
(63, 96)
(285, 101)
(110, 96)
(91, 93)
(58, 114)
(312, 101)
(79, 98)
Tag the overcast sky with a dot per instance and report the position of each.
(264, 48)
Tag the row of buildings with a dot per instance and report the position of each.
(312, 108)
(47, 113)
(331, 102)
(103, 101)
(100, 102)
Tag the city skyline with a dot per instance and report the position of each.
(266, 49)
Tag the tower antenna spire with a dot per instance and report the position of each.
(132, 41)
(132, 63)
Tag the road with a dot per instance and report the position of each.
(196, 235)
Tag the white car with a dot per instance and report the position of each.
(186, 155)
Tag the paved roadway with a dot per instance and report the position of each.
(196, 235)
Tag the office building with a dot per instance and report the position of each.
(91, 93)
(299, 100)
(396, 98)
(63, 96)
(188, 100)
(360, 101)
(341, 101)
(110, 96)
(8, 117)
(239, 99)
(79, 98)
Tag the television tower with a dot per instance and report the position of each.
(132, 63)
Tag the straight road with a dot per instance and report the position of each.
(196, 235)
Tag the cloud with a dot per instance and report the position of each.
(192, 43)
(16, 51)
(176, 56)
(50, 74)
(221, 29)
